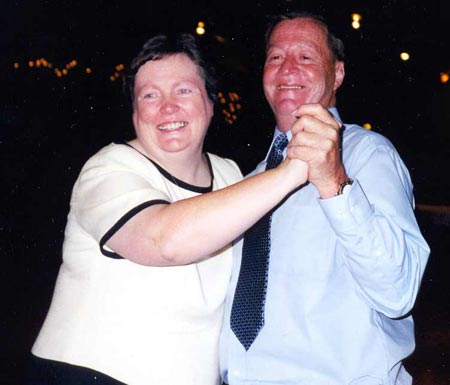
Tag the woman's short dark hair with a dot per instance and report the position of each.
(161, 46)
(335, 44)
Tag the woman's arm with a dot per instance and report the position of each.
(191, 230)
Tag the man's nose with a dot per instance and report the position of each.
(289, 65)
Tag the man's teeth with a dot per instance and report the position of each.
(171, 126)
(282, 87)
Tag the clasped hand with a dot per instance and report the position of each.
(316, 141)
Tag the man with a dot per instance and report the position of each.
(346, 254)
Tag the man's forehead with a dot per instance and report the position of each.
(305, 33)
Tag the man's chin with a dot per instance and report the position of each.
(287, 106)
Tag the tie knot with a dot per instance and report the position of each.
(276, 153)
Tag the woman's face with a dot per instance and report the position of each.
(172, 110)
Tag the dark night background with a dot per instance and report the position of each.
(50, 125)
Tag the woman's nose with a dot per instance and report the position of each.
(169, 107)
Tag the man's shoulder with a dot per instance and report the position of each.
(354, 134)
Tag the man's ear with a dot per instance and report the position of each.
(339, 74)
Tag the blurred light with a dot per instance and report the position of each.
(368, 126)
(200, 30)
(88, 70)
(31, 64)
(16, 65)
(355, 24)
(444, 77)
(356, 18)
(404, 56)
(112, 78)
(64, 71)
(233, 96)
(220, 39)
(38, 63)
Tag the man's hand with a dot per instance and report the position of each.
(316, 141)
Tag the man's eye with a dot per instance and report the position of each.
(275, 57)
(184, 91)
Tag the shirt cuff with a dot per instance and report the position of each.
(347, 211)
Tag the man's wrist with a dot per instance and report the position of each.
(347, 182)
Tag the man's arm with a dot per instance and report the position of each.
(374, 220)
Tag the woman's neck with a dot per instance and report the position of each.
(192, 168)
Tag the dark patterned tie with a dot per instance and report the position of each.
(247, 313)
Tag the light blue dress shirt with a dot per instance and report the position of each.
(344, 274)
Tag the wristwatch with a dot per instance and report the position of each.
(343, 185)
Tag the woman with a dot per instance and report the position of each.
(146, 257)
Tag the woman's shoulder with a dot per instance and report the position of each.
(116, 156)
(225, 165)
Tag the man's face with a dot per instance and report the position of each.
(299, 69)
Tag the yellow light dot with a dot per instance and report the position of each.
(112, 78)
(64, 71)
(356, 17)
(31, 64)
(88, 70)
(356, 25)
(404, 56)
(38, 63)
(220, 95)
(222, 100)
(367, 126)
(200, 30)
(201, 24)
(16, 65)
(445, 77)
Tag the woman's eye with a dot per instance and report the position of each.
(150, 95)
(184, 91)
